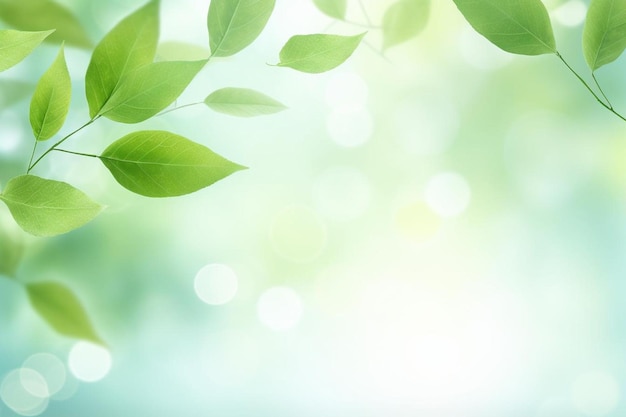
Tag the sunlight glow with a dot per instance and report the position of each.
(216, 284)
(595, 394)
(15, 393)
(279, 308)
(89, 362)
(447, 194)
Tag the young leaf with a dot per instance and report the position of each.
(131, 44)
(51, 100)
(604, 35)
(516, 26)
(235, 24)
(11, 251)
(62, 310)
(317, 53)
(45, 207)
(404, 20)
(146, 91)
(45, 15)
(181, 51)
(16, 45)
(161, 164)
(333, 8)
(242, 102)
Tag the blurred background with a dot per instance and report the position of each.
(437, 230)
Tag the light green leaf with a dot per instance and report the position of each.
(604, 35)
(242, 102)
(156, 163)
(131, 44)
(62, 310)
(51, 100)
(317, 53)
(45, 207)
(16, 45)
(235, 24)
(404, 20)
(45, 15)
(13, 91)
(181, 51)
(11, 251)
(516, 26)
(333, 8)
(148, 90)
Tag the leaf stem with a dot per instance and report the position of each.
(53, 147)
(367, 16)
(32, 156)
(77, 153)
(605, 105)
(178, 108)
(363, 25)
(595, 80)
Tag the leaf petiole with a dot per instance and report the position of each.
(77, 153)
(595, 80)
(178, 108)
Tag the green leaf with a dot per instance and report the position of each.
(149, 89)
(45, 207)
(62, 310)
(242, 102)
(333, 8)
(181, 51)
(51, 100)
(516, 26)
(404, 20)
(11, 251)
(604, 35)
(45, 15)
(318, 53)
(131, 44)
(16, 45)
(13, 91)
(235, 24)
(156, 163)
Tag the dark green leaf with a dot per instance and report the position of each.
(242, 102)
(317, 53)
(62, 310)
(51, 100)
(333, 8)
(45, 15)
(16, 45)
(235, 24)
(516, 26)
(404, 20)
(146, 91)
(604, 35)
(131, 44)
(161, 164)
(45, 207)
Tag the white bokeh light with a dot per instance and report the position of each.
(342, 193)
(595, 394)
(216, 284)
(571, 13)
(447, 194)
(89, 362)
(50, 368)
(279, 308)
(346, 92)
(17, 396)
(350, 130)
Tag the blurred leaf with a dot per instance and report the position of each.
(181, 51)
(13, 91)
(62, 310)
(161, 164)
(11, 251)
(235, 24)
(404, 20)
(333, 8)
(45, 207)
(146, 91)
(242, 102)
(318, 53)
(604, 35)
(516, 26)
(45, 15)
(51, 100)
(129, 45)
(16, 45)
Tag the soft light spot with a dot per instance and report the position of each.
(417, 221)
(571, 13)
(595, 394)
(279, 308)
(342, 193)
(216, 284)
(447, 194)
(50, 368)
(426, 126)
(34, 383)
(555, 407)
(346, 92)
(350, 130)
(89, 362)
(17, 397)
(479, 52)
(298, 234)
